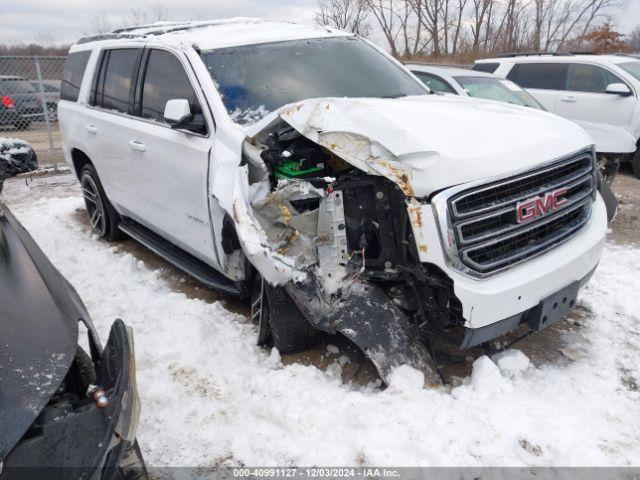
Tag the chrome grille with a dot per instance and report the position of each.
(484, 225)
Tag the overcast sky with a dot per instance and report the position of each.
(63, 21)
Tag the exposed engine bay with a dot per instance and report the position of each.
(350, 232)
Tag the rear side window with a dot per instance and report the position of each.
(16, 86)
(434, 83)
(115, 79)
(165, 79)
(485, 67)
(74, 68)
(544, 76)
(589, 78)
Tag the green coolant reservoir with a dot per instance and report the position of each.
(297, 168)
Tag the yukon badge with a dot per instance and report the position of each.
(540, 206)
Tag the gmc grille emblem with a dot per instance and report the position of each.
(532, 208)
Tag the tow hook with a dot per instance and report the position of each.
(99, 396)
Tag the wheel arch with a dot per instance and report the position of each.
(79, 160)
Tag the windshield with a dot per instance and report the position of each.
(254, 80)
(16, 85)
(632, 68)
(499, 90)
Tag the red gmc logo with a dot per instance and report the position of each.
(535, 207)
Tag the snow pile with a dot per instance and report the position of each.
(512, 362)
(211, 397)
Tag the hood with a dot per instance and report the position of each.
(427, 143)
(38, 331)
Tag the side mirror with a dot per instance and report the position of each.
(177, 112)
(619, 89)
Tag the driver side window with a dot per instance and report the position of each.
(165, 79)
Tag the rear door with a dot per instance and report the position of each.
(544, 81)
(108, 121)
(585, 98)
(169, 167)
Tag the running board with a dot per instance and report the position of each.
(179, 258)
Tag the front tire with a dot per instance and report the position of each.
(102, 216)
(636, 163)
(279, 319)
(608, 168)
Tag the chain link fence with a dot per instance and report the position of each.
(29, 95)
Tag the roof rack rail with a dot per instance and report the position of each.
(160, 28)
(534, 54)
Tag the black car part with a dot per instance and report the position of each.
(64, 412)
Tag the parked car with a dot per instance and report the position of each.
(332, 203)
(599, 92)
(65, 412)
(51, 90)
(19, 102)
(469, 83)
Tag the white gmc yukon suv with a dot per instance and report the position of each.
(307, 170)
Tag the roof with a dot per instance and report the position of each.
(559, 57)
(446, 70)
(211, 34)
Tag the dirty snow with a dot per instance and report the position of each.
(211, 397)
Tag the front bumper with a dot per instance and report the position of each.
(90, 442)
(511, 293)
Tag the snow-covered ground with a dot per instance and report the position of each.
(211, 397)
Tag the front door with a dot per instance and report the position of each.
(585, 98)
(170, 166)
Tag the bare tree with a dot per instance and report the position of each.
(634, 39)
(349, 15)
(141, 16)
(388, 18)
(469, 28)
(101, 24)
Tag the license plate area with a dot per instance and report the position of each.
(554, 307)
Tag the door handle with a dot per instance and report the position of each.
(91, 128)
(138, 146)
(569, 99)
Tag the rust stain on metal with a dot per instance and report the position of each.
(400, 176)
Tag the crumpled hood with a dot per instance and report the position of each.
(426, 143)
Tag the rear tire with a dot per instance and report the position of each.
(103, 217)
(279, 319)
(636, 163)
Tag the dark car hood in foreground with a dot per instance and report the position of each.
(39, 314)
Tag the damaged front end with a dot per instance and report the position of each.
(328, 217)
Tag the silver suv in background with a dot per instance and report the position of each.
(252, 155)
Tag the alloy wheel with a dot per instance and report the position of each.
(94, 205)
